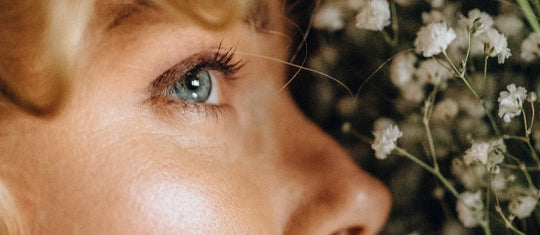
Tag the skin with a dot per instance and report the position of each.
(111, 160)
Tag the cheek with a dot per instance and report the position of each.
(176, 207)
(189, 208)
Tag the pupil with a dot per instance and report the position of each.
(193, 84)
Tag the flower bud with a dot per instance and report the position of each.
(489, 50)
(531, 97)
(477, 25)
(346, 127)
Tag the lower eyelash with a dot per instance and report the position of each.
(169, 107)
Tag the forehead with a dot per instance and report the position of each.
(113, 14)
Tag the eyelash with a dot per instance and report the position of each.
(221, 61)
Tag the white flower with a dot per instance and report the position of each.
(385, 141)
(413, 91)
(510, 102)
(523, 206)
(495, 44)
(433, 72)
(433, 39)
(436, 3)
(445, 110)
(477, 153)
(402, 69)
(509, 24)
(478, 21)
(328, 18)
(496, 155)
(382, 123)
(532, 97)
(374, 16)
(530, 47)
(356, 4)
(489, 154)
(470, 209)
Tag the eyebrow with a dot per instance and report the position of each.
(128, 10)
(258, 14)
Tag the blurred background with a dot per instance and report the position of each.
(353, 55)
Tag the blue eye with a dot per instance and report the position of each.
(200, 87)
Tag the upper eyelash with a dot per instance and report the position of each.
(220, 61)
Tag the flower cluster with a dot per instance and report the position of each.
(385, 141)
(465, 117)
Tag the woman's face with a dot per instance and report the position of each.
(174, 128)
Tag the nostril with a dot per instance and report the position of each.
(350, 231)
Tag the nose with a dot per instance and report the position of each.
(333, 195)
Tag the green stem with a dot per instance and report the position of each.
(529, 15)
(528, 138)
(485, 74)
(464, 68)
(529, 131)
(456, 71)
(525, 124)
(406, 154)
(427, 116)
(491, 119)
(536, 6)
(488, 203)
(485, 227)
(507, 222)
(437, 173)
(514, 167)
(513, 137)
(395, 23)
(387, 37)
(523, 168)
(465, 80)
(533, 153)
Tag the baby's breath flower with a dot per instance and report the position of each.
(478, 21)
(530, 47)
(511, 101)
(470, 209)
(509, 24)
(436, 3)
(522, 206)
(445, 110)
(383, 123)
(385, 141)
(328, 18)
(375, 15)
(489, 154)
(413, 91)
(433, 72)
(477, 153)
(356, 4)
(402, 69)
(496, 155)
(531, 97)
(495, 44)
(433, 39)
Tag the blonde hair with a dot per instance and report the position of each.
(57, 45)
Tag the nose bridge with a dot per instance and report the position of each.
(335, 193)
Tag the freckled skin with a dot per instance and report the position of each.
(111, 162)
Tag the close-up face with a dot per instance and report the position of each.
(173, 125)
